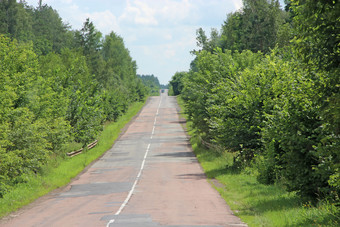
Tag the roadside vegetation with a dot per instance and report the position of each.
(60, 171)
(58, 89)
(255, 203)
(262, 96)
(151, 83)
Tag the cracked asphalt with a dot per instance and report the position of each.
(149, 178)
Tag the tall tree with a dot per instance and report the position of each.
(15, 20)
(255, 27)
(317, 43)
(207, 43)
(152, 83)
(177, 83)
(51, 34)
(90, 40)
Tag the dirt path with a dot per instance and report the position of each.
(149, 178)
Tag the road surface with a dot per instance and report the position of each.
(149, 178)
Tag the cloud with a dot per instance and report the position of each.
(177, 11)
(139, 13)
(159, 13)
(104, 21)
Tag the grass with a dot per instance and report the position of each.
(257, 204)
(61, 172)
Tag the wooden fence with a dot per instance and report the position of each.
(74, 153)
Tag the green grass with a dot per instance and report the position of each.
(257, 204)
(61, 171)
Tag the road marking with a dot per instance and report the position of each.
(140, 170)
(153, 130)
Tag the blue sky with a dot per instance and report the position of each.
(159, 33)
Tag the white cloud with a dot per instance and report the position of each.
(159, 13)
(140, 13)
(104, 21)
(177, 11)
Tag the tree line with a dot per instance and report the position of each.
(57, 86)
(266, 88)
(152, 84)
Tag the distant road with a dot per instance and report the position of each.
(149, 178)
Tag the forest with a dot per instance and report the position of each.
(58, 86)
(265, 87)
(152, 84)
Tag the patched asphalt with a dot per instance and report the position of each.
(172, 190)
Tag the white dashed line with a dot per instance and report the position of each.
(140, 170)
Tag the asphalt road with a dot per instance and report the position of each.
(149, 178)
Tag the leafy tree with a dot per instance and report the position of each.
(232, 34)
(84, 109)
(177, 83)
(255, 27)
(281, 111)
(206, 43)
(199, 86)
(56, 86)
(120, 68)
(90, 40)
(51, 34)
(236, 112)
(317, 45)
(316, 25)
(218, 102)
(24, 147)
(294, 135)
(151, 83)
(117, 59)
(15, 20)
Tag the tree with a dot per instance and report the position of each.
(15, 20)
(24, 144)
(56, 86)
(151, 83)
(51, 34)
(317, 43)
(177, 83)
(254, 28)
(90, 40)
(205, 43)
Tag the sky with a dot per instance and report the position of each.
(158, 33)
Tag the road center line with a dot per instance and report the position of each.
(140, 170)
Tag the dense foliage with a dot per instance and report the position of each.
(57, 86)
(152, 84)
(267, 89)
(176, 83)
